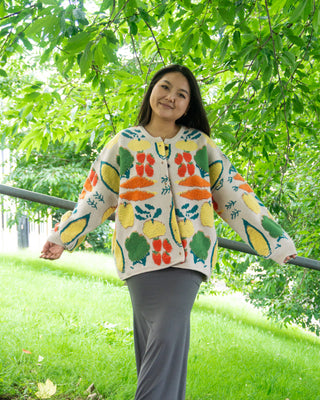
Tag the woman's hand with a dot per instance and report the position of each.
(288, 258)
(51, 251)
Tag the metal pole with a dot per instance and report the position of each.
(69, 205)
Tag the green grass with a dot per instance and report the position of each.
(75, 315)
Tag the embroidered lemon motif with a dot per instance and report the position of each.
(118, 255)
(215, 172)
(107, 213)
(126, 215)
(211, 142)
(161, 149)
(110, 177)
(257, 240)
(74, 229)
(186, 145)
(175, 231)
(154, 229)
(112, 142)
(138, 145)
(214, 254)
(66, 216)
(206, 215)
(186, 228)
(252, 203)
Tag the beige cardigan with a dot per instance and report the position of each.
(164, 193)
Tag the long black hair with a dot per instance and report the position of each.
(195, 116)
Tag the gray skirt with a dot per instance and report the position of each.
(162, 302)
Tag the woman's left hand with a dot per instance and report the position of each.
(288, 258)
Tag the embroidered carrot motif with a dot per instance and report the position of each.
(238, 177)
(136, 182)
(194, 181)
(136, 195)
(196, 194)
(246, 187)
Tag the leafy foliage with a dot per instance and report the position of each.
(72, 74)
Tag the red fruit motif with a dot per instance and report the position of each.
(166, 258)
(156, 258)
(167, 246)
(178, 160)
(141, 157)
(157, 244)
(191, 168)
(140, 169)
(150, 159)
(182, 170)
(187, 156)
(184, 244)
(149, 170)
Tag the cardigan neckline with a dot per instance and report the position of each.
(166, 140)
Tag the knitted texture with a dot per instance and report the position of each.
(164, 193)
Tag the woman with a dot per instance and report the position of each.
(164, 178)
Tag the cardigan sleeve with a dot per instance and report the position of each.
(97, 201)
(236, 203)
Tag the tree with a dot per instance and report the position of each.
(74, 73)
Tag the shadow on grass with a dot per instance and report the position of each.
(70, 268)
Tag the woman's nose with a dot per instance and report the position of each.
(171, 97)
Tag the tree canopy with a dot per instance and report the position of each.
(73, 73)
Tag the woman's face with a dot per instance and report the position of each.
(170, 97)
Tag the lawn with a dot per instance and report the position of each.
(70, 321)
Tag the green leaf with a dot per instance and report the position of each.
(99, 54)
(230, 85)
(298, 11)
(26, 43)
(227, 14)
(267, 73)
(3, 73)
(106, 4)
(277, 6)
(133, 28)
(293, 38)
(86, 59)
(288, 58)
(31, 96)
(297, 105)
(256, 84)
(187, 44)
(78, 42)
(278, 43)
(224, 47)
(316, 20)
(236, 40)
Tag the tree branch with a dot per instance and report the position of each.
(156, 42)
(283, 100)
(109, 112)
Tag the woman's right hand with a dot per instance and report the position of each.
(51, 251)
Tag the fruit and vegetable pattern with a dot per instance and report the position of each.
(164, 195)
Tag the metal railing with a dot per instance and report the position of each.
(69, 205)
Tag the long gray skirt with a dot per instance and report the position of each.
(162, 302)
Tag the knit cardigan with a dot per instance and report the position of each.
(164, 193)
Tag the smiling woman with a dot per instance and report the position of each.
(169, 101)
(194, 115)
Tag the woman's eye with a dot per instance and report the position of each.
(164, 86)
(182, 95)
